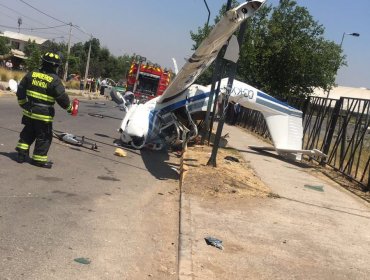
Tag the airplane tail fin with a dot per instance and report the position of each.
(286, 131)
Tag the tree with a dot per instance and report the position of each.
(4, 47)
(78, 58)
(33, 52)
(285, 53)
(206, 77)
(294, 54)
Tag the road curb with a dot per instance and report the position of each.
(185, 243)
(185, 271)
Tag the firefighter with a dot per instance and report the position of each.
(37, 93)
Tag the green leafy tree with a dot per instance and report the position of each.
(293, 53)
(285, 53)
(78, 58)
(52, 46)
(95, 47)
(206, 77)
(4, 46)
(33, 52)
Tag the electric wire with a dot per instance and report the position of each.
(31, 19)
(75, 26)
(20, 14)
(12, 18)
(33, 28)
(51, 33)
(24, 2)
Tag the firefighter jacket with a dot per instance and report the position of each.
(37, 93)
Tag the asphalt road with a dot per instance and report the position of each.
(119, 213)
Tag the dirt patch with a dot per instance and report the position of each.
(232, 178)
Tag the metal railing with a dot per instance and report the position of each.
(339, 128)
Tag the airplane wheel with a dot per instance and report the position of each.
(124, 139)
(116, 96)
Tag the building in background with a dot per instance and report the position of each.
(17, 42)
(340, 91)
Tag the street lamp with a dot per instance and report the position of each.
(341, 43)
(352, 34)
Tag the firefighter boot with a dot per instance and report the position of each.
(22, 155)
(43, 164)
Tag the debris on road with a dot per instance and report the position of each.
(119, 152)
(315, 188)
(83, 260)
(74, 140)
(230, 158)
(214, 242)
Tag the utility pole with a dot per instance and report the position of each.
(215, 76)
(355, 34)
(87, 63)
(19, 24)
(212, 160)
(68, 51)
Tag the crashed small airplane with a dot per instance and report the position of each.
(167, 116)
(183, 105)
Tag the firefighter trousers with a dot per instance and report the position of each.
(37, 130)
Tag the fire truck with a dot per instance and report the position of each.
(147, 80)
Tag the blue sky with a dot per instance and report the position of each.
(159, 29)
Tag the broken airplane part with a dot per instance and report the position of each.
(165, 118)
(74, 140)
(283, 121)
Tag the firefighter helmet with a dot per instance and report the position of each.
(52, 58)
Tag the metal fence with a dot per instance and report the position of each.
(339, 128)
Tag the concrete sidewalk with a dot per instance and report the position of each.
(304, 234)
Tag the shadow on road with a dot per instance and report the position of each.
(326, 207)
(157, 163)
(11, 155)
(275, 156)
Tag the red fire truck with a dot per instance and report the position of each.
(147, 80)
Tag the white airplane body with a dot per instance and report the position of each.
(165, 118)
(143, 123)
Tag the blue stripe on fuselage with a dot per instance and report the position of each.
(182, 103)
(273, 99)
(175, 106)
(273, 103)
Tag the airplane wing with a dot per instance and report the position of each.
(209, 48)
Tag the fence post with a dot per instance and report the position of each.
(368, 181)
(305, 107)
(343, 141)
(333, 123)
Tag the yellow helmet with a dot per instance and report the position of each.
(52, 58)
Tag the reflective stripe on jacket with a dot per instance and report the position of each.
(37, 93)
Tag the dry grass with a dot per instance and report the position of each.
(6, 75)
(229, 180)
(72, 84)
